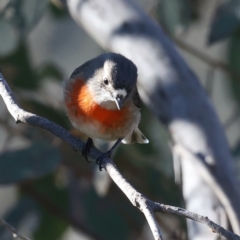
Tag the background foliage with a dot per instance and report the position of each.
(55, 189)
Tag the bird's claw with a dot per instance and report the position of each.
(101, 158)
(86, 149)
(89, 144)
(99, 162)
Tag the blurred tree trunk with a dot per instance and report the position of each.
(172, 91)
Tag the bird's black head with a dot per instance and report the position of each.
(114, 80)
(123, 71)
(120, 77)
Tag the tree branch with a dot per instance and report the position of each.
(11, 229)
(137, 199)
(207, 59)
(32, 119)
(215, 228)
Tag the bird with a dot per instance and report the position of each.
(102, 102)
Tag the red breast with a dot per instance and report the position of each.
(81, 103)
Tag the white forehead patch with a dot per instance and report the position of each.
(121, 92)
(108, 66)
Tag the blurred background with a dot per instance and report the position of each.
(48, 191)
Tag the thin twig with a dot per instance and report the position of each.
(145, 205)
(12, 230)
(215, 228)
(207, 59)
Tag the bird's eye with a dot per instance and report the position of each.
(105, 81)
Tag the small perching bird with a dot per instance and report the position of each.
(102, 101)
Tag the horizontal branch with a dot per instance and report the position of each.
(137, 199)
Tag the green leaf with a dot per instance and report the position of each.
(24, 14)
(51, 227)
(109, 217)
(49, 112)
(49, 187)
(18, 69)
(234, 62)
(174, 14)
(58, 10)
(32, 162)
(50, 70)
(236, 150)
(50, 223)
(225, 22)
(9, 38)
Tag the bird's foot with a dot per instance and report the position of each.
(102, 157)
(86, 148)
(107, 154)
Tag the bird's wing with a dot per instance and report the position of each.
(80, 70)
(136, 99)
(135, 136)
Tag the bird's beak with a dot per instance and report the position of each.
(119, 101)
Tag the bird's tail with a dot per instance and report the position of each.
(136, 136)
